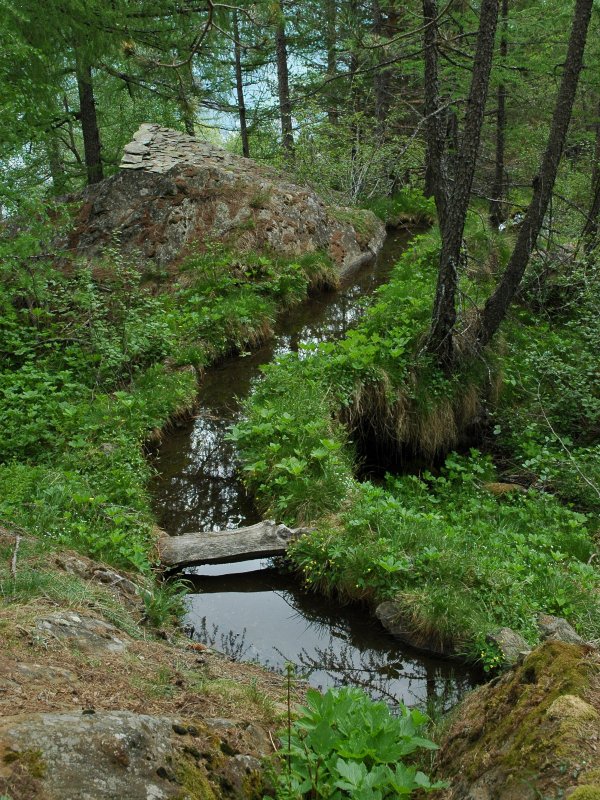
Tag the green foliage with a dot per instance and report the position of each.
(293, 449)
(409, 204)
(345, 745)
(166, 603)
(549, 417)
(458, 560)
(83, 381)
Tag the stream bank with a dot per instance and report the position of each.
(255, 611)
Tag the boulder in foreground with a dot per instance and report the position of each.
(532, 733)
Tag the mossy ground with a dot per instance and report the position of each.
(535, 730)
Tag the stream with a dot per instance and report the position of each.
(253, 610)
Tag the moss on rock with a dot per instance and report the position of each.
(195, 785)
(589, 792)
(534, 726)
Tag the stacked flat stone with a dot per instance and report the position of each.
(158, 149)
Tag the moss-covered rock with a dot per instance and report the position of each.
(588, 792)
(528, 733)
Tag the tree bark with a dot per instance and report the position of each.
(436, 178)
(440, 342)
(89, 123)
(239, 86)
(331, 47)
(283, 87)
(497, 205)
(382, 79)
(590, 229)
(496, 307)
(56, 164)
(186, 106)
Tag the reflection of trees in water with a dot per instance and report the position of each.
(380, 677)
(380, 674)
(369, 671)
(231, 644)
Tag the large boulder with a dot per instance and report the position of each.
(533, 732)
(175, 194)
(112, 755)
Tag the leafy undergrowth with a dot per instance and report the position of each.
(342, 744)
(95, 358)
(549, 418)
(459, 561)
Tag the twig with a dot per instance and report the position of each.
(13, 563)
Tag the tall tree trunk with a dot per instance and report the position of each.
(89, 122)
(590, 229)
(436, 176)
(56, 164)
(239, 86)
(497, 204)
(382, 79)
(331, 47)
(283, 87)
(356, 104)
(187, 111)
(543, 184)
(440, 342)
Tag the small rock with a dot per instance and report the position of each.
(112, 578)
(180, 730)
(85, 633)
(569, 706)
(558, 628)
(73, 565)
(510, 643)
(46, 673)
(390, 616)
(137, 148)
(131, 158)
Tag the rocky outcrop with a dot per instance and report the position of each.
(175, 194)
(533, 732)
(88, 634)
(118, 754)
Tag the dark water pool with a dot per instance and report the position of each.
(252, 610)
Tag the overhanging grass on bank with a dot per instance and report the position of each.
(95, 358)
(458, 560)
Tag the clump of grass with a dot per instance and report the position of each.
(407, 206)
(458, 561)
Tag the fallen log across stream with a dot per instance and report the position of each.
(263, 540)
